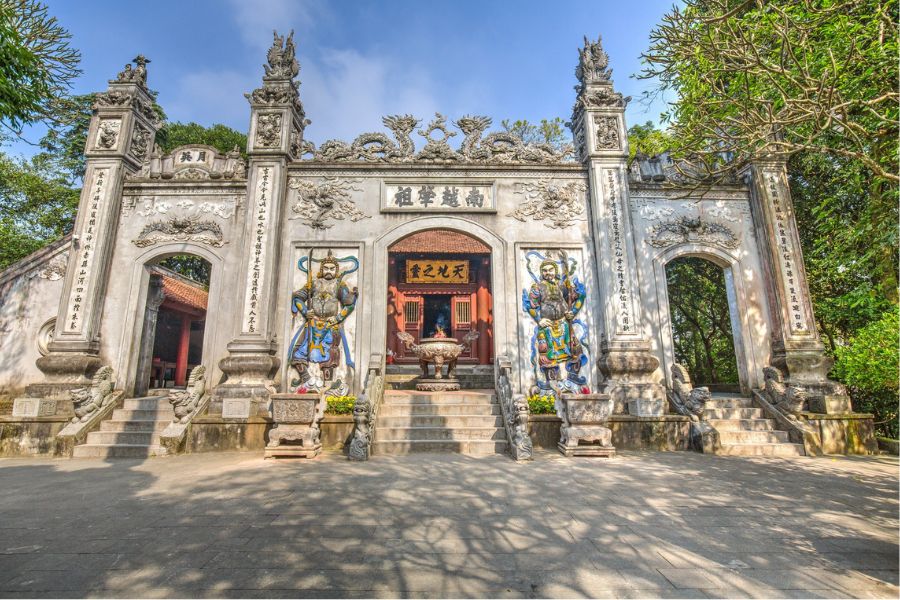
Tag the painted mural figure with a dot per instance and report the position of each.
(554, 302)
(324, 303)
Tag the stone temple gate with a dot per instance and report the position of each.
(333, 271)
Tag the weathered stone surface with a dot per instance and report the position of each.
(671, 432)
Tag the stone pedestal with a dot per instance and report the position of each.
(628, 372)
(297, 418)
(584, 417)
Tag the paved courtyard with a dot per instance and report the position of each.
(666, 525)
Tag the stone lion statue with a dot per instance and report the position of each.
(788, 399)
(88, 400)
(688, 400)
(185, 402)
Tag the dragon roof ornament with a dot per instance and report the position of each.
(496, 148)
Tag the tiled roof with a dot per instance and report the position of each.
(183, 292)
(440, 241)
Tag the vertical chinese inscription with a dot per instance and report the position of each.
(787, 258)
(257, 258)
(86, 252)
(622, 282)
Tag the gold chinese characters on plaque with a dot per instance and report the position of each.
(437, 271)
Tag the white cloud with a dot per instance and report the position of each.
(256, 19)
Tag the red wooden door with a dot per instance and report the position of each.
(412, 323)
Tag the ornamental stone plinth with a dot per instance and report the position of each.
(297, 418)
(583, 431)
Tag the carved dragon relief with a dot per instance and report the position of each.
(180, 229)
(499, 147)
(317, 203)
(685, 229)
(559, 203)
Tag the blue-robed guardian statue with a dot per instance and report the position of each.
(324, 303)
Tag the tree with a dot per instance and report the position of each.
(221, 137)
(551, 131)
(754, 78)
(37, 65)
(37, 206)
(646, 139)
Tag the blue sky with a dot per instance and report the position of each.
(361, 60)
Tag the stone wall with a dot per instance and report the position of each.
(671, 432)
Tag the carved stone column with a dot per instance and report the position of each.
(796, 347)
(277, 121)
(598, 125)
(119, 141)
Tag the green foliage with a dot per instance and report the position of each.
(62, 148)
(869, 361)
(701, 321)
(37, 206)
(753, 77)
(190, 266)
(541, 405)
(868, 364)
(340, 405)
(222, 138)
(646, 139)
(37, 66)
(551, 132)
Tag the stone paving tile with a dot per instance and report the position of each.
(435, 526)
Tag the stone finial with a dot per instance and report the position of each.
(282, 58)
(137, 75)
(593, 64)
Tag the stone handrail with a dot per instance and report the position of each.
(691, 402)
(76, 432)
(187, 404)
(514, 409)
(365, 410)
(798, 431)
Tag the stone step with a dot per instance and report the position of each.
(466, 397)
(721, 425)
(753, 437)
(442, 410)
(733, 413)
(117, 451)
(147, 403)
(122, 414)
(438, 433)
(473, 447)
(451, 421)
(112, 425)
(762, 450)
(735, 402)
(128, 438)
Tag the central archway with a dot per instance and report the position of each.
(498, 272)
(439, 284)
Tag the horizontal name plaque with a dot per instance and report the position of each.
(438, 196)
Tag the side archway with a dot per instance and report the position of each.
(738, 310)
(144, 299)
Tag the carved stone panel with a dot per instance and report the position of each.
(268, 130)
(182, 230)
(140, 142)
(318, 203)
(607, 132)
(438, 196)
(108, 134)
(300, 410)
(559, 204)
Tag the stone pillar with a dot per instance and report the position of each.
(277, 122)
(598, 125)
(184, 344)
(155, 297)
(796, 347)
(119, 141)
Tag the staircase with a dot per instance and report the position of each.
(467, 421)
(132, 432)
(743, 431)
(405, 377)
